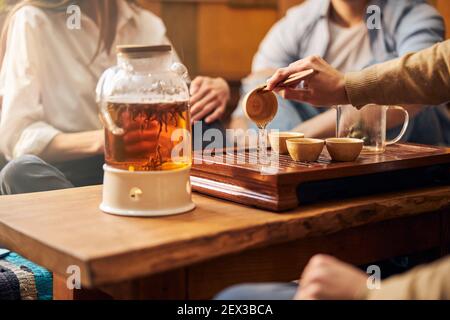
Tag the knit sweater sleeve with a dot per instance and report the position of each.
(416, 78)
(427, 282)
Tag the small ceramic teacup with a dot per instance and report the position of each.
(278, 140)
(305, 149)
(344, 149)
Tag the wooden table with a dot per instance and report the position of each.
(220, 243)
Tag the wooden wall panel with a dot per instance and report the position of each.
(229, 37)
(444, 8)
(182, 29)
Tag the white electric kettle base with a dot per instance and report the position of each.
(146, 194)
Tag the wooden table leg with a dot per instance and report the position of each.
(164, 286)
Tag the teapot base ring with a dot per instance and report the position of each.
(146, 194)
(150, 213)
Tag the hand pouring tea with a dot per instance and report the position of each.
(260, 105)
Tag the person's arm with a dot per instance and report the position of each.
(422, 77)
(419, 26)
(326, 277)
(417, 78)
(427, 282)
(24, 128)
(73, 146)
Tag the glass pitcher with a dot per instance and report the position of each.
(368, 124)
(144, 105)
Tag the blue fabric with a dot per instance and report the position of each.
(43, 277)
(406, 26)
(3, 252)
(260, 291)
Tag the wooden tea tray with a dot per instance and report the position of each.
(293, 183)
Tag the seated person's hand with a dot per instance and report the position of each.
(209, 97)
(140, 141)
(327, 278)
(140, 136)
(324, 88)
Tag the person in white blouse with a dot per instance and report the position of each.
(50, 129)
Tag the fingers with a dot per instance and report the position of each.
(216, 115)
(205, 86)
(140, 135)
(199, 94)
(311, 62)
(279, 76)
(205, 111)
(196, 84)
(198, 105)
(311, 292)
(141, 147)
(314, 278)
(209, 97)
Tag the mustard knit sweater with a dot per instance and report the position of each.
(416, 78)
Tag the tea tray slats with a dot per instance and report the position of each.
(230, 174)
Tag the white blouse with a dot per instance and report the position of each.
(46, 79)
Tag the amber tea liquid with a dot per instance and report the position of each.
(147, 140)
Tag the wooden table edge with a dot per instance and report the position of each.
(227, 242)
(280, 232)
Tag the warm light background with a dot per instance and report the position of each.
(220, 37)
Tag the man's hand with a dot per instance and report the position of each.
(140, 134)
(209, 97)
(140, 142)
(327, 278)
(324, 88)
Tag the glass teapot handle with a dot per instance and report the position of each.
(105, 117)
(181, 70)
(405, 125)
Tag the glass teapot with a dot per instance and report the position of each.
(144, 106)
